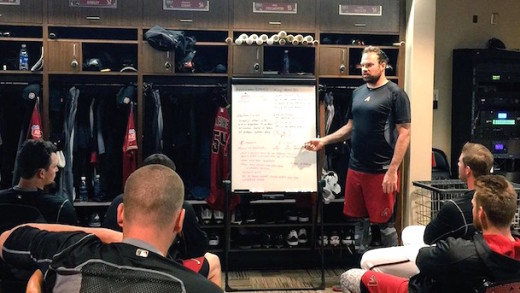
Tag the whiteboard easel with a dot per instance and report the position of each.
(271, 119)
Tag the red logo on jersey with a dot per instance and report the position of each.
(372, 281)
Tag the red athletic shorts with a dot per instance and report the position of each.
(376, 282)
(364, 197)
(198, 265)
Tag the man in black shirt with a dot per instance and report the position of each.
(37, 164)
(191, 245)
(98, 260)
(379, 128)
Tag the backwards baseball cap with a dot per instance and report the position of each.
(31, 91)
(125, 95)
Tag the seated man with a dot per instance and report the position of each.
(192, 244)
(28, 201)
(72, 257)
(456, 264)
(453, 220)
(38, 164)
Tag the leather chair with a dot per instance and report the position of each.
(440, 166)
(12, 215)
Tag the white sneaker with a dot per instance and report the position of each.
(302, 236)
(292, 238)
(206, 214)
(218, 216)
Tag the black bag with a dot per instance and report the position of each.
(165, 40)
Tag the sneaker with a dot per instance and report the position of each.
(267, 240)
(213, 240)
(205, 215)
(218, 216)
(279, 241)
(236, 217)
(245, 239)
(303, 217)
(346, 237)
(334, 239)
(250, 219)
(302, 236)
(94, 220)
(292, 238)
(323, 240)
(292, 216)
(256, 239)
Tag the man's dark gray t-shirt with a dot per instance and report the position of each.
(375, 113)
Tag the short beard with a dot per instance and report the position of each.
(372, 79)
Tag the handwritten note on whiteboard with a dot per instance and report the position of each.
(270, 124)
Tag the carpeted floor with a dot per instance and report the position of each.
(283, 281)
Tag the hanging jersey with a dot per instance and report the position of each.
(35, 125)
(220, 162)
(129, 147)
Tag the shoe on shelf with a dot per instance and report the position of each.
(205, 215)
(303, 216)
(250, 219)
(292, 238)
(292, 216)
(213, 240)
(94, 221)
(334, 239)
(346, 237)
(279, 241)
(302, 236)
(256, 239)
(218, 216)
(245, 239)
(236, 217)
(267, 240)
(323, 240)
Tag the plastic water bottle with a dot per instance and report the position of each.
(24, 58)
(285, 62)
(97, 188)
(83, 190)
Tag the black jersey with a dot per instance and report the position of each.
(455, 219)
(54, 209)
(375, 113)
(74, 261)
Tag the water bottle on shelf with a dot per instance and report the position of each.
(24, 58)
(83, 190)
(285, 62)
(97, 188)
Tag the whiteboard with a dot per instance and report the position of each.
(269, 125)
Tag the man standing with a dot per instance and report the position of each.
(456, 264)
(75, 259)
(454, 219)
(37, 165)
(379, 128)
